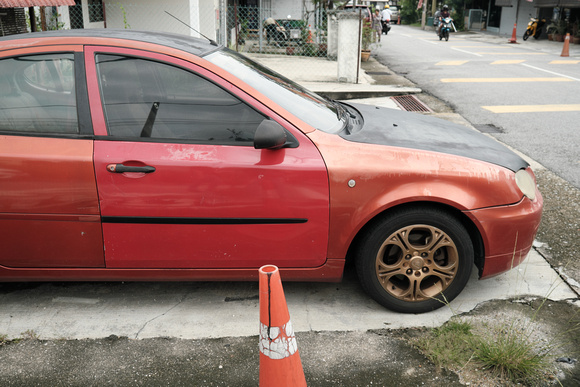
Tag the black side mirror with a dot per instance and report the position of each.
(269, 135)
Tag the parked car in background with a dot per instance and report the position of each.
(394, 14)
(142, 156)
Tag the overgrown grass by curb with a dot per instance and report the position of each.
(505, 352)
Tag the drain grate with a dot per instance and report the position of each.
(488, 128)
(378, 73)
(410, 103)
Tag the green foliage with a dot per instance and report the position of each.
(409, 12)
(367, 35)
(125, 23)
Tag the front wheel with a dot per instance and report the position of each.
(416, 260)
(527, 34)
(446, 35)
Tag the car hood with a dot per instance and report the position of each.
(392, 127)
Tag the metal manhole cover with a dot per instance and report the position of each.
(410, 103)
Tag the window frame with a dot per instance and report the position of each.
(100, 126)
(84, 122)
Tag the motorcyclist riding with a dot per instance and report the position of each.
(442, 15)
(386, 15)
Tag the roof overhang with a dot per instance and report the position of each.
(34, 3)
(557, 3)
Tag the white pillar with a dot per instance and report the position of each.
(349, 41)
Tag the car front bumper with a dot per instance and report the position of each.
(508, 233)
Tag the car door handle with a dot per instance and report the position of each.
(120, 168)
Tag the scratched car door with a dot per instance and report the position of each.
(180, 183)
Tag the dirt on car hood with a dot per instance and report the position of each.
(392, 127)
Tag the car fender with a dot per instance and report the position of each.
(366, 179)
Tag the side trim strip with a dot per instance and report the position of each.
(158, 220)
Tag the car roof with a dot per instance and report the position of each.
(196, 46)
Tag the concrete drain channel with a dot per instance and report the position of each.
(411, 103)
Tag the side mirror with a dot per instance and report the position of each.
(269, 135)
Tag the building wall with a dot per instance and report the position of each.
(281, 9)
(12, 21)
(508, 16)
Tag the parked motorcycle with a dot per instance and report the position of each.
(534, 28)
(446, 25)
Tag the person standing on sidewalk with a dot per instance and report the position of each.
(377, 27)
(386, 19)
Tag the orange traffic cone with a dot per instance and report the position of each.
(513, 39)
(280, 363)
(566, 49)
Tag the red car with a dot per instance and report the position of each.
(127, 155)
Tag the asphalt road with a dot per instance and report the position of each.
(525, 95)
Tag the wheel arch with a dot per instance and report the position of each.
(472, 230)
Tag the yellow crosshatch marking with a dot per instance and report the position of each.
(508, 61)
(503, 80)
(565, 62)
(451, 63)
(533, 108)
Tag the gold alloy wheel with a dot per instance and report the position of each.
(417, 263)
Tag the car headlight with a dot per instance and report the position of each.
(526, 183)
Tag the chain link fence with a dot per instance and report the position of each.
(297, 31)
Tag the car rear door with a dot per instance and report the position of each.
(180, 183)
(49, 212)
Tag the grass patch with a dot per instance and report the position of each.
(449, 345)
(511, 355)
(505, 354)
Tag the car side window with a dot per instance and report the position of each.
(37, 94)
(149, 99)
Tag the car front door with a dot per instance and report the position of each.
(180, 183)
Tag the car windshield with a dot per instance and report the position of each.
(320, 113)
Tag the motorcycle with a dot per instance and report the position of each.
(534, 28)
(446, 25)
(386, 27)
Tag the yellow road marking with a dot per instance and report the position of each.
(508, 61)
(503, 80)
(479, 47)
(533, 108)
(565, 62)
(512, 53)
(451, 63)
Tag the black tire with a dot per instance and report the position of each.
(440, 36)
(398, 267)
(527, 34)
(446, 36)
